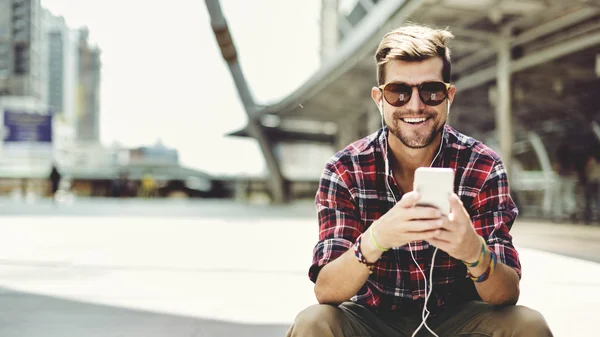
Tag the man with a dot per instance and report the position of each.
(591, 188)
(54, 179)
(364, 266)
(564, 199)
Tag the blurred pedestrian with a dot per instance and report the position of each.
(564, 205)
(54, 182)
(148, 186)
(116, 187)
(592, 190)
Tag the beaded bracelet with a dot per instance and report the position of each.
(360, 256)
(488, 272)
(481, 255)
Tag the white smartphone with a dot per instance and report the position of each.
(434, 184)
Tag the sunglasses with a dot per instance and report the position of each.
(431, 93)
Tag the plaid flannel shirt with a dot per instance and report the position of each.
(353, 193)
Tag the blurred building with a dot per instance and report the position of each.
(49, 99)
(21, 58)
(527, 74)
(27, 121)
(161, 164)
(61, 65)
(61, 73)
(50, 80)
(88, 89)
(157, 154)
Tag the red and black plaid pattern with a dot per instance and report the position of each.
(353, 193)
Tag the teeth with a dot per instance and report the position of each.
(414, 120)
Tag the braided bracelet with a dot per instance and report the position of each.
(488, 272)
(360, 256)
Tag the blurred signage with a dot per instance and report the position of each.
(22, 126)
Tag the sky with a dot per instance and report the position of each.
(163, 76)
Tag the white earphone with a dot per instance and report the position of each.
(428, 289)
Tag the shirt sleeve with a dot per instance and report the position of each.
(494, 213)
(339, 220)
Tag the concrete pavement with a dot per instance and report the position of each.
(27, 314)
(207, 269)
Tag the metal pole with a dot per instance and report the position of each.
(503, 107)
(329, 28)
(221, 30)
(549, 177)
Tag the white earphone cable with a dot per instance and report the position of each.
(425, 313)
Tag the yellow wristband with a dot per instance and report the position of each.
(383, 249)
(481, 255)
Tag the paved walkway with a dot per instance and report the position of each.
(194, 275)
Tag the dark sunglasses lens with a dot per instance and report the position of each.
(433, 93)
(397, 94)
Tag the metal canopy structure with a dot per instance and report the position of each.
(520, 66)
(553, 44)
(228, 50)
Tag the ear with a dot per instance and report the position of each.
(377, 98)
(451, 93)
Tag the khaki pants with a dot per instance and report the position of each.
(470, 319)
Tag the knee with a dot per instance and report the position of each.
(529, 322)
(317, 320)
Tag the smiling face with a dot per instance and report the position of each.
(415, 124)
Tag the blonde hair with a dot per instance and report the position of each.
(413, 43)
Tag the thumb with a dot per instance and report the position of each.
(409, 199)
(456, 206)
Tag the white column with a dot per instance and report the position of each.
(503, 107)
(329, 29)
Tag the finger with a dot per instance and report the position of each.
(420, 213)
(422, 236)
(409, 199)
(457, 207)
(443, 245)
(446, 236)
(422, 225)
(448, 223)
